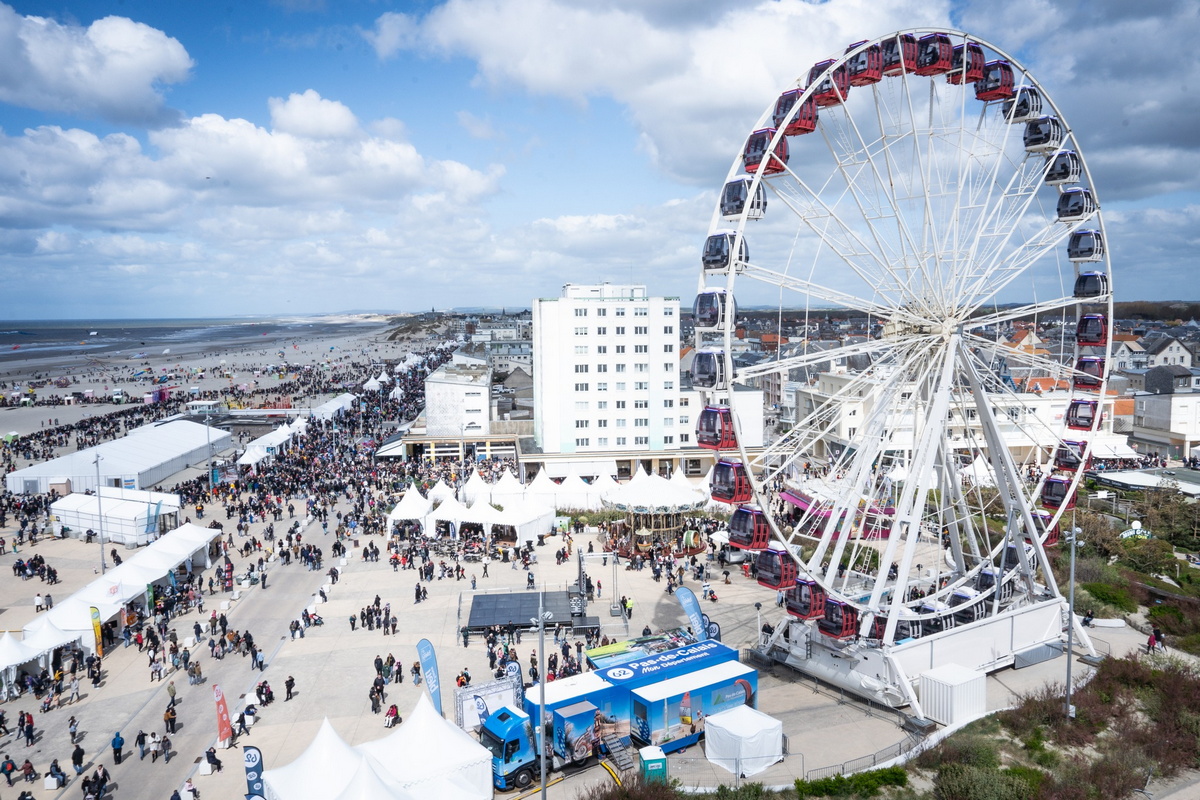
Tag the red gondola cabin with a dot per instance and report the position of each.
(714, 429)
(972, 70)
(1089, 372)
(1068, 456)
(1056, 493)
(1042, 520)
(832, 88)
(899, 54)
(997, 82)
(866, 67)
(935, 54)
(1092, 330)
(905, 628)
(749, 529)
(805, 120)
(805, 600)
(776, 569)
(730, 483)
(756, 157)
(839, 621)
(1081, 414)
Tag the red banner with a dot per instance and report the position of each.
(224, 726)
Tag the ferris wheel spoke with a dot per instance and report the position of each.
(1020, 312)
(818, 291)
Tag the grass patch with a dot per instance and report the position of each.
(1116, 596)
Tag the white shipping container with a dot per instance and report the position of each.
(952, 694)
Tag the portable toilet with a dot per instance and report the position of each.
(652, 763)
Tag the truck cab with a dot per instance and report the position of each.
(509, 735)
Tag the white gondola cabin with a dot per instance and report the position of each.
(708, 370)
(1089, 285)
(1075, 204)
(1043, 134)
(1064, 167)
(709, 309)
(717, 250)
(1025, 104)
(1086, 246)
(735, 195)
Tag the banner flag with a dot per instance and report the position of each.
(224, 725)
(252, 757)
(429, 666)
(691, 607)
(481, 708)
(96, 631)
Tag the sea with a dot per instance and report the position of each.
(143, 338)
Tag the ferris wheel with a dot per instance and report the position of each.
(921, 217)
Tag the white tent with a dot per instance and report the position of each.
(574, 492)
(131, 520)
(383, 377)
(14, 652)
(476, 489)
(681, 480)
(449, 511)
(412, 506)
(651, 493)
(370, 782)
(507, 490)
(979, 472)
(440, 491)
(486, 515)
(396, 394)
(743, 740)
(47, 637)
(427, 752)
(603, 483)
(332, 408)
(542, 489)
(322, 772)
(529, 518)
(372, 385)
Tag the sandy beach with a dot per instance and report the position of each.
(205, 366)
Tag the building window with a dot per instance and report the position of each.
(641, 386)
(620, 349)
(581, 349)
(641, 440)
(668, 348)
(601, 423)
(601, 349)
(581, 442)
(601, 331)
(641, 422)
(641, 348)
(581, 405)
(601, 387)
(620, 404)
(668, 312)
(619, 422)
(581, 368)
(684, 438)
(683, 402)
(601, 312)
(602, 441)
(668, 403)
(620, 367)
(668, 367)
(581, 423)
(668, 422)
(581, 312)
(620, 312)
(668, 329)
(668, 440)
(641, 403)
(581, 387)
(641, 367)
(640, 330)
(620, 330)
(641, 311)
(602, 404)
(620, 441)
(581, 331)
(670, 385)
(620, 386)
(602, 368)
(684, 420)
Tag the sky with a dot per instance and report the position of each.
(323, 156)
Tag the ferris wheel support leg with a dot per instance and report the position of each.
(1081, 637)
(905, 685)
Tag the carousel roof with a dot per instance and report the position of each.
(651, 494)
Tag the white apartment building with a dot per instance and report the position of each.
(458, 401)
(606, 372)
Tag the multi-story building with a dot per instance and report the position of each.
(606, 371)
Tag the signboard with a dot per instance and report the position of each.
(224, 725)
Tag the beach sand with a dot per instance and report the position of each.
(221, 363)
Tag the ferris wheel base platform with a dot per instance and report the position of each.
(888, 675)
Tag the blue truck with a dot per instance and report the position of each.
(661, 699)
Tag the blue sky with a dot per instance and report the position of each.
(308, 156)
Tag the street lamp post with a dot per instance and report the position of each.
(100, 517)
(1073, 541)
(540, 737)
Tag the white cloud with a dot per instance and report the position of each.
(477, 127)
(313, 116)
(393, 32)
(115, 68)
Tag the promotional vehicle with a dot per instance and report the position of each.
(684, 685)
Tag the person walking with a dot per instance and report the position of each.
(118, 742)
(73, 728)
(171, 694)
(154, 746)
(77, 759)
(140, 741)
(74, 690)
(165, 746)
(290, 685)
(169, 718)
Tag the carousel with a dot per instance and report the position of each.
(656, 510)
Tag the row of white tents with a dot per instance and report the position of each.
(426, 756)
(270, 444)
(70, 621)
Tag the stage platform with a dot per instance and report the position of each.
(519, 608)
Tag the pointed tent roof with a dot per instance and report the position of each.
(13, 651)
(322, 771)
(426, 748)
(679, 479)
(396, 393)
(476, 489)
(371, 385)
(508, 488)
(654, 493)
(383, 377)
(439, 492)
(603, 483)
(47, 637)
(411, 506)
(574, 492)
(542, 489)
(368, 783)
(450, 510)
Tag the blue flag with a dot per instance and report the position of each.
(691, 607)
(429, 666)
(254, 783)
(481, 708)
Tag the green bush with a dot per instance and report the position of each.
(1117, 596)
(969, 782)
(1033, 777)
(860, 784)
